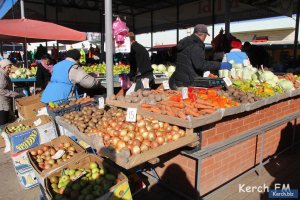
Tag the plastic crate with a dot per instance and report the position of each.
(62, 111)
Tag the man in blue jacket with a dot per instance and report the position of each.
(190, 62)
(66, 74)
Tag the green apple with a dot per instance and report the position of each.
(95, 170)
(78, 173)
(54, 185)
(95, 175)
(66, 171)
(71, 172)
(93, 165)
(65, 178)
(101, 171)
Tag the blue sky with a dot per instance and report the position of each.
(5, 5)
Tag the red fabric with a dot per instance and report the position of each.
(236, 44)
(15, 30)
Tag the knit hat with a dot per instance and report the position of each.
(73, 53)
(201, 28)
(4, 63)
(236, 44)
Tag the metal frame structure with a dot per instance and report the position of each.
(255, 132)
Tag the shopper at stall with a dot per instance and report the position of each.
(6, 92)
(44, 71)
(257, 55)
(140, 65)
(191, 61)
(236, 54)
(66, 74)
(82, 59)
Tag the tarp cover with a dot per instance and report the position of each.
(16, 30)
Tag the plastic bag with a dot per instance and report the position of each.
(120, 30)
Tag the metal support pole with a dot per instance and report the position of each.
(151, 27)
(213, 19)
(109, 48)
(22, 9)
(294, 132)
(25, 54)
(227, 18)
(198, 176)
(177, 21)
(261, 151)
(296, 34)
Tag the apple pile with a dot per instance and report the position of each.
(46, 159)
(84, 183)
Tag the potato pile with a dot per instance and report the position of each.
(238, 95)
(86, 120)
(146, 96)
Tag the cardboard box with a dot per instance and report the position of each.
(24, 171)
(54, 143)
(134, 160)
(27, 178)
(120, 191)
(28, 106)
(42, 130)
(2, 142)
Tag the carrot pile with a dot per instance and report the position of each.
(181, 109)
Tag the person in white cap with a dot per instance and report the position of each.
(6, 93)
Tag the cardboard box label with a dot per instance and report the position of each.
(25, 140)
(21, 161)
(28, 179)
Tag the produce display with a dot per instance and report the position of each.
(88, 120)
(16, 129)
(84, 183)
(56, 106)
(200, 102)
(162, 69)
(146, 96)
(101, 69)
(238, 95)
(121, 135)
(23, 73)
(290, 77)
(46, 159)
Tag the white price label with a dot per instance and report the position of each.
(101, 102)
(42, 111)
(184, 93)
(206, 74)
(145, 82)
(37, 122)
(58, 154)
(84, 95)
(166, 85)
(227, 81)
(131, 114)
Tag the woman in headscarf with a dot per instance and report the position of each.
(6, 92)
(44, 71)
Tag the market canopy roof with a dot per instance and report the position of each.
(16, 30)
(88, 15)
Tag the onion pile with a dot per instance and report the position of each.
(145, 134)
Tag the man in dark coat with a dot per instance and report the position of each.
(191, 61)
(140, 65)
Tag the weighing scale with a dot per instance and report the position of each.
(208, 82)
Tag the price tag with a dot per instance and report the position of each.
(42, 111)
(101, 102)
(145, 82)
(131, 115)
(131, 89)
(206, 74)
(84, 95)
(227, 81)
(166, 85)
(184, 93)
(58, 154)
(37, 122)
